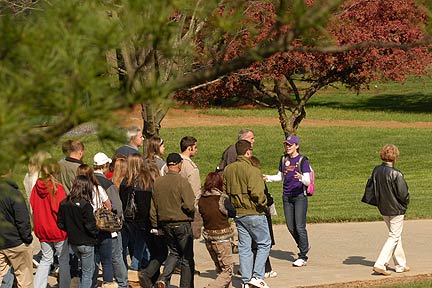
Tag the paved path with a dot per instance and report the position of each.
(341, 252)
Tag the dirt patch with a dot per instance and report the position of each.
(191, 117)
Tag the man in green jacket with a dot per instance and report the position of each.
(245, 187)
(173, 210)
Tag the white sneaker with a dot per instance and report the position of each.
(299, 263)
(401, 269)
(245, 285)
(271, 274)
(259, 283)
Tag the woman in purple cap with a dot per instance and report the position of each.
(295, 201)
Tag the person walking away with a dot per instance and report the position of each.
(269, 273)
(15, 247)
(229, 156)
(155, 240)
(137, 188)
(45, 201)
(135, 140)
(103, 248)
(295, 202)
(173, 210)
(101, 163)
(245, 187)
(77, 219)
(32, 175)
(215, 208)
(392, 194)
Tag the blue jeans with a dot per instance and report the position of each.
(103, 254)
(295, 210)
(61, 249)
(253, 227)
(120, 271)
(8, 279)
(86, 254)
(132, 233)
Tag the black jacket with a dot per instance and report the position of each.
(142, 200)
(391, 190)
(15, 226)
(77, 219)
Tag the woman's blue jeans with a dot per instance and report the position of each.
(295, 210)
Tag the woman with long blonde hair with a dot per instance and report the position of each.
(119, 171)
(45, 200)
(136, 188)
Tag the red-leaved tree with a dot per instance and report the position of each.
(365, 40)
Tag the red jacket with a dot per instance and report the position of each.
(45, 210)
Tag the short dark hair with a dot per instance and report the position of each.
(242, 146)
(213, 180)
(186, 142)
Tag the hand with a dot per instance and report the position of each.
(298, 176)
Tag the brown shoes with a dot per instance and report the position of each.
(381, 271)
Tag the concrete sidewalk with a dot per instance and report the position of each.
(341, 252)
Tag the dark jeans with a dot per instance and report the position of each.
(132, 234)
(295, 209)
(158, 254)
(103, 254)
(180, 247)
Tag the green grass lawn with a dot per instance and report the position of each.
(342, 157)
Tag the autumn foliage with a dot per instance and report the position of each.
(287, 80)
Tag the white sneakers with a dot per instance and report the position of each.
(299, 263)
(255, 282)
(401, 269)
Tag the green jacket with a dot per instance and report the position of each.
(244, 185)
(173, 200)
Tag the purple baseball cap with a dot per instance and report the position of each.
(292, 139)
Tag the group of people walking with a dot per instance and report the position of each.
(164, 207)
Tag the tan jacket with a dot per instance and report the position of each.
(190, 171)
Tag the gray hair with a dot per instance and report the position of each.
(242, 133)
(132, 132)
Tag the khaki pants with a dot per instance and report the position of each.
(197, 225)
(20, 258)
(220, 252)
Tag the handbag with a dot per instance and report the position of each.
(131, 207)
(107, 220)
(369, 196)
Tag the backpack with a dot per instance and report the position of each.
(308, 190)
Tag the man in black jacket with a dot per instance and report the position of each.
(15, 235)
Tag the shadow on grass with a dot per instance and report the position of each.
(409, 102)
(358, 260)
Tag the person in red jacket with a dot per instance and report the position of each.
(45, 200)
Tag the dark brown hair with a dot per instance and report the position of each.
(213, 180)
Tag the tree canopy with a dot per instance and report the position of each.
(388, 35)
